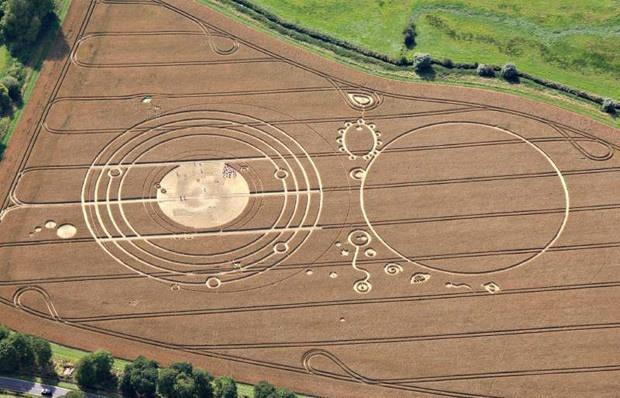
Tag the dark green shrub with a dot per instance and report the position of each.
(4, 331)
(14, 87)
(410, 35)
(5, 101)
(510, 73)
(422, 62)
(485, 70)
(609, 106)
(447, 63)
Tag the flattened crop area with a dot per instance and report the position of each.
(187, 188)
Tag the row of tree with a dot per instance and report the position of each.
(22, 22)
(143, 378)
(21, 353)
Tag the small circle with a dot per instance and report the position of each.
(333, 275)
(66, 231)
(50, 224)
(280, 247)
(213, 283)
(175, 287)
(115, 172)
(357, 173)
(342, 319)
(309, 272)
(280, 174)
(370, 252)
(38, 229)
(362, 287)
(359, 238)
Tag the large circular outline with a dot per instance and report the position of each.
(512, 266)
(126, 221)
(305, 175)
(132, 255)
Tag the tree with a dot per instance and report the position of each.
(285, 393)
(25, 355)
(184, 386)
(9, 361)
(140, 379)
(609, 106)
(183, 367)
(410, 35)
(85, 373)
(42, 352)
(264, 390)
(225, 387)
(95, 371)
(202, 381)
(23, 21)
(104, 361)
(181, 380)
(510, 72)
(167, 378)
(422, 62)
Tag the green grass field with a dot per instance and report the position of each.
(72, 355)
(567, 41)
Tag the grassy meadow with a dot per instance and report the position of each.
(574, 42)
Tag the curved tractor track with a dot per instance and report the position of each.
(184, 187)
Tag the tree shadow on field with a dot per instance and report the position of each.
(60, 49)
(51, 45)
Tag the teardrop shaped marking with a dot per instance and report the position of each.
(361, 100)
